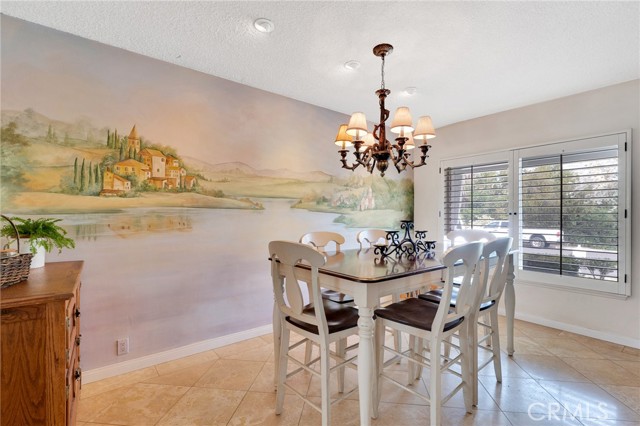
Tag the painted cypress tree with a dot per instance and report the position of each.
(90, 181)
(96, 176)
(82, 176)
(108, 138)
(75, 172)
(121, 152)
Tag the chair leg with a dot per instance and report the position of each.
(308, 348)
(435, 384)
(341, 351)
(397, 336)
(495, 345)
(282, 368)
(324, 385)
(467, 347)
(277, 330)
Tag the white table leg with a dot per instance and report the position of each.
(366, 364)
(510, 303)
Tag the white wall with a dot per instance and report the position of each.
(598, 111)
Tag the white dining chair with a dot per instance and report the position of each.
(493, 277)
(369, 237)
(322, 322)
(435, 323)
(463, 236)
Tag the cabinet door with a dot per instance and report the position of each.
(24, 365)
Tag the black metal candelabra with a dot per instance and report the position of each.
(406, 248)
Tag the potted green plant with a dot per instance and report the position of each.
(39, 236)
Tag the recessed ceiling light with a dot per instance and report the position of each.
(263, 25)
(352, 65)
(410, 91)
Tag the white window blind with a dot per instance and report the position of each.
(477, 196)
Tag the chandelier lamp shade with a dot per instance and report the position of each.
(372, 149)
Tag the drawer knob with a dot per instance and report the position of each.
(77, 312)
(78, 340)
(78, 373)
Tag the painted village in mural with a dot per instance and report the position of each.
(57, 167)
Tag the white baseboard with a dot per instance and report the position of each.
(172, 354)
(621, 340)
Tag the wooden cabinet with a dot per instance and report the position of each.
(40, 347)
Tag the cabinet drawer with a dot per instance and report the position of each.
(73, 319)
(74, 384)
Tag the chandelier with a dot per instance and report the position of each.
(372, 149)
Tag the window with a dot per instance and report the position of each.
(566, 205)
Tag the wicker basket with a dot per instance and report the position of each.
(14, 267)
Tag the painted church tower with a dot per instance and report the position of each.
(133, 141)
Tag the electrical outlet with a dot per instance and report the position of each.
(123, 346)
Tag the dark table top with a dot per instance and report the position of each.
(364, 266)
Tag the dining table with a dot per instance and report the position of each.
(367, 277)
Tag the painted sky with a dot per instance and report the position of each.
(66, 77)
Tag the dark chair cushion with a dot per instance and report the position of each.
(414, 312)
(434, 296)
(335, 296)
(339, 317)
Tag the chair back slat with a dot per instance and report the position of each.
(285, 255)
(497, 251)
(321, 239)
(469, 254)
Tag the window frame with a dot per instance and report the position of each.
(622, 140)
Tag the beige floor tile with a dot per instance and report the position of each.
(542, 367)
(105, 385)
(524, 345)
(400, 415)
(185, 362)
(604, 371)
(459, 417)
(139, 405)
(607, 422)
(203, 406)
(595, 344)
(264, 382)
(623, 355)
(485, 402)
(231, 374)
(240, 347)
(508, 364)
(633, 366)
(589, 400)
(552, 418)
(630, 396)
(261, 353)
(268, 338)
(568, 348)
(184, 377)
(536, 330)
(518, 395)
(259, 409)
(631, 351)
(343, 413)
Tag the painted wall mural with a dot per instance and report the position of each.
(172, 182)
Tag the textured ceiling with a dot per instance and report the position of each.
(467, 59)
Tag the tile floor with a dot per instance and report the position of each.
(554, 378)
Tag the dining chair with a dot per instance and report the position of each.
(368, 237)
(435, 323)
(494, 268)
(322, 322)
(463, 236)
(320, 240)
